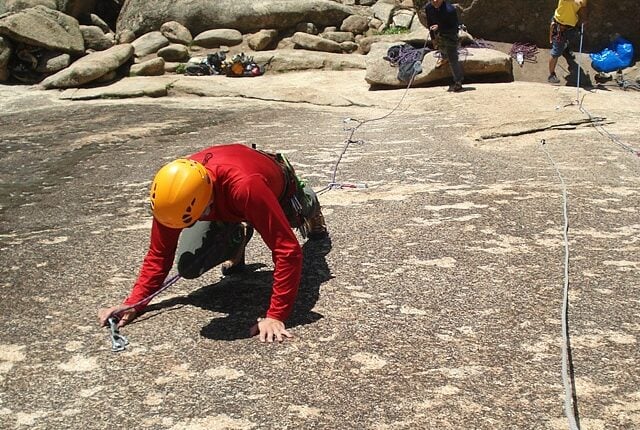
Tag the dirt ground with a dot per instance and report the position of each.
(436, 303)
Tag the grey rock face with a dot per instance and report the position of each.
(43, 27)
(90, 67)
(149, 43)
(246, 16)
(218, 37)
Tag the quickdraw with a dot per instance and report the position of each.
(118, 341)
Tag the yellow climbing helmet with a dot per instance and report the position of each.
(180, 192)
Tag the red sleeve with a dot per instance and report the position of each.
(156, 264)
(267, 217)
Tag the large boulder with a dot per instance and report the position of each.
(479, 62)
(218, 37)
(246, 16)
(90, 67)
(45, 28)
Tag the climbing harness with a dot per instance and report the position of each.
(570, 397)
(118, 341)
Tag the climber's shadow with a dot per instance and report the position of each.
(246, 296)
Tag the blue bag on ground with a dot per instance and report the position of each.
(617, 56)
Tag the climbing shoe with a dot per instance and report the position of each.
(317, 227)
(236, 264)
(553, 79)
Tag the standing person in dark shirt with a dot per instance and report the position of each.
(442, 22)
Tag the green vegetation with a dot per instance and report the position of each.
(395, 30)
(181, 68)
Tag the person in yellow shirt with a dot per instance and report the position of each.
(564, 27)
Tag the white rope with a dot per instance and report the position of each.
(570, 399)
(349, 140)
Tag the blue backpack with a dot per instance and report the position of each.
(618, 55)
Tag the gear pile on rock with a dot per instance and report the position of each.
(240, 65)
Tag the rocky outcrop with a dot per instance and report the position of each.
(477, 62)
(90, 67)
(246, 16)
(45, 28)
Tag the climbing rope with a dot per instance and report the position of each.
(524, 52)
(570, 397)
(416, 58)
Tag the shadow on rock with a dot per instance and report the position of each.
(246, 296)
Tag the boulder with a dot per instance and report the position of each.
(262, 40)
(479, 62)
(339, 36)
(125, 36)
(149, 43)
(153, 67)
(356, 24)
(315, 43)
(217, 38)
(90, 67)
(5, 54)
(176, 32)
(383, 11)
(174, 52)
(94, 38)
(98, 22)
(348, 46)
(403, 18)
(246, 16)
(290, 60)
(45, 28)
(53, 62)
